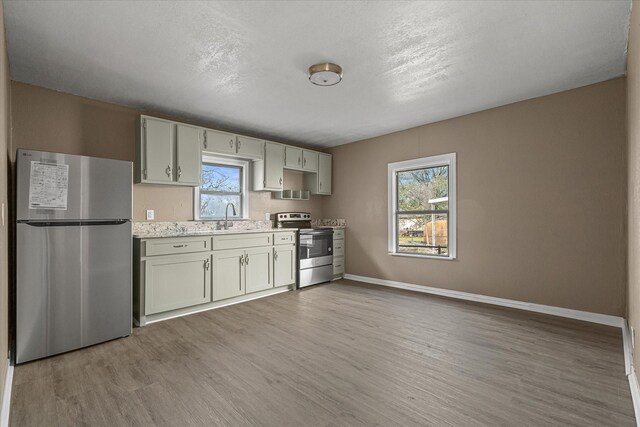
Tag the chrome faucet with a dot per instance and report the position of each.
(226, 214)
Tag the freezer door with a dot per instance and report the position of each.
(96, 189)
(73, 287)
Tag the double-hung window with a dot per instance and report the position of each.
(223, 181)
(422, 207)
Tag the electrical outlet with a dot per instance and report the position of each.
(150, 214)
(267, 216)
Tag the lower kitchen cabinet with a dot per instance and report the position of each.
(236, 272)
(177, 281)
(228, 274)
(284, 264)
(258, 269)
(179, 275)
(338, 253)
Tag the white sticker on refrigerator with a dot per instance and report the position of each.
(48, 186)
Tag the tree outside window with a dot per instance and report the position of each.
(221, 184)
(421, 209)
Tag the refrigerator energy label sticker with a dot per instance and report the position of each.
(48, 186)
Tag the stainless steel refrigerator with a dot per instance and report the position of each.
(73, 252)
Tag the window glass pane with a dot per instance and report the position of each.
(221, 178)
(423, 189)
(213, 205)
(423, 234)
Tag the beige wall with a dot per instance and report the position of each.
(633, 192)
(541, 200)
(47, 120)
(5, 132)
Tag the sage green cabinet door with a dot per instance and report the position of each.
(188, 158)
(310, 161)
(228, 274)
(250, 148)
(284, 265)
(157, 150)
(324, 173)
(176, 282)
(292, 157)
(273, 164)
(219, 142)
(258, 269)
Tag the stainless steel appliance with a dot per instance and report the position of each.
(73, 252)
(315, 248)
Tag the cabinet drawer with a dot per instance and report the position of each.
(239, 241)
(338, 233)
(338, 248)
(338, 265)
(171, 246)
(284, 238)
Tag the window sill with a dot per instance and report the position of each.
(443, 258)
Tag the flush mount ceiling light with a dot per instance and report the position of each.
(325, 74)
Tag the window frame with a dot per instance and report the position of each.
(244, 185)
(422, 163)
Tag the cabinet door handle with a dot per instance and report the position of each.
(320, 184)
(168, 171)
(298, 160)
(179, 246)
(239, 144)
(241, 259)
(246, 259)
(204, 135)
(304, 162)
(231, 143)
(280, 181)
(206, 264)
(275, 254)
(179, 171)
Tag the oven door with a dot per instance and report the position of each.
(315, 248)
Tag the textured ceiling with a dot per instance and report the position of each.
(242, 65)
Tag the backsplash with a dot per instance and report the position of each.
(328, 222)
(145, 227)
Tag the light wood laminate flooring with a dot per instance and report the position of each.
(337, 354)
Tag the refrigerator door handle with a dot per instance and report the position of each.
(72, 223)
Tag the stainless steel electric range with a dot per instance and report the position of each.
(315, 248)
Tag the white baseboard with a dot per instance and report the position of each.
(6, 396)
(635, 394)
(587, 316)
(628, 349)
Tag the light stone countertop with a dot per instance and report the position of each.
(192, 233)
(156, 230)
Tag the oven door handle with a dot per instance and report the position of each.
(316, 233)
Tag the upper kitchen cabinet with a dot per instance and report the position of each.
(309, 161)
(268, 172)
(320, 183)
(188, 157)
(219, 142)
(167, 152)
(223, 143)
(292, 157)
(300, 160)
(250, 148)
